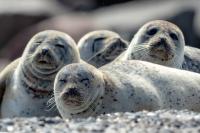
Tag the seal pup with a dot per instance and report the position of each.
(163, 43)
(27, 83)
(82, 90)
(101, 47)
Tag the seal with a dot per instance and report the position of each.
(27, 83)
(82, 90)
(159, 42)
(191, 59)
(101, 47)
(162, 42)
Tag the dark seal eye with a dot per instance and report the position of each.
(152, 31)
(97, 42)
(63, 80)
(174, 36)
(60, 46)
(37, 43)
(85, 81)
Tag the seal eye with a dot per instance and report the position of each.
(85, 81)
(63, 80)
(96, 46)
(37, 43)
(174, 36)
(152, 31)
(60, 46)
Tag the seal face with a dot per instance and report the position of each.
(81, 90)
(77, 89)
(101, 47)
(31, 84)
(159, 42)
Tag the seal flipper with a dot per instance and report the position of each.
(109, 53)
(5, 75)
(191, 59)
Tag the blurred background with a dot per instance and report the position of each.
(21, 19)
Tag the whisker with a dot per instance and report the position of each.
(51, 108)
(51, 104)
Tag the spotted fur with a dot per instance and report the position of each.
(30, 85)
(125, 86)
(101, 47)
(159, 42)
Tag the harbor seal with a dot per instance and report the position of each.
(101, 47)
(191, 59)
(82, 90)
(162, 42)
(27, 83)
(159, 42)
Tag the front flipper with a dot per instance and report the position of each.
(5, 75)
(191, 59)
(109, 53)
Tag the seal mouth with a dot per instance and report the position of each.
(161, 50)
(161, 55)
(45, 63)
(72, 97)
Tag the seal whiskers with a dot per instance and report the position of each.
(164, 43)
(28, 84)
(123, 86)
(101, 47)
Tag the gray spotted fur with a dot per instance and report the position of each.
(132, 85)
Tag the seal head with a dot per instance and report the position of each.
(159, 42)
(101, 47)
(77, 90)
(50, 50)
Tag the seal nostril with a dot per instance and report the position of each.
(162, 40)
(45, 51)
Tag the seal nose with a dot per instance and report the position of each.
(72, 97)
(72, 92)
(45, 51)
(162, 43)
(162, 40)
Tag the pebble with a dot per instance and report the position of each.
(162, 121)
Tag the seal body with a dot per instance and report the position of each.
(101, 47)
(191, 59)
(124, 86)
(28, 82)
(159, 42)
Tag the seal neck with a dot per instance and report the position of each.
(35, 84)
